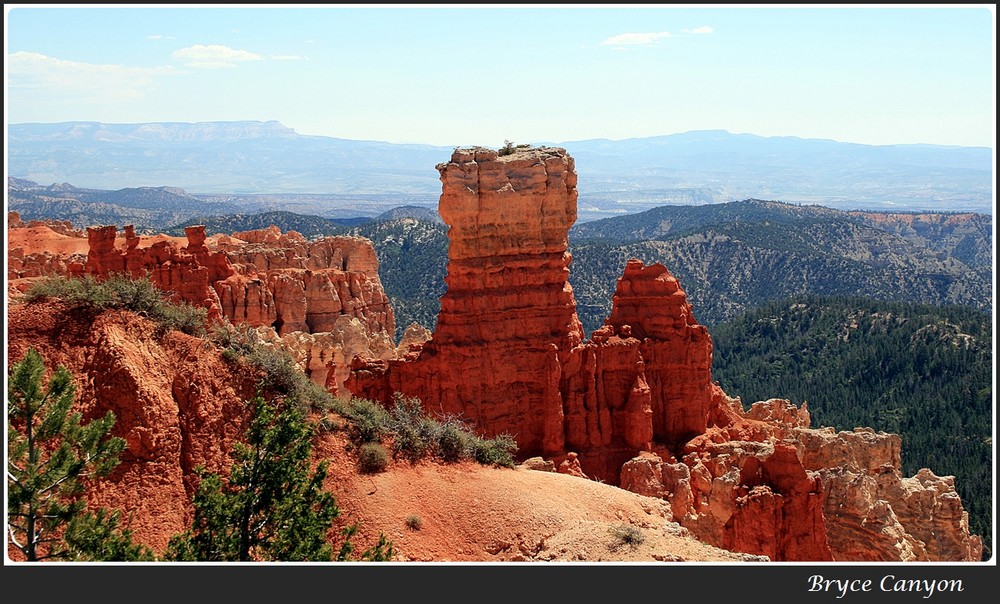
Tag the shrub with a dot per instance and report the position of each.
(414, 522)
(627, 535)
(497, 451)
(281, 375)
(372, 458)
(184, 318)
(416, 436)
(330, 423)
(453, 442)
(240, 340)
(83, 291)
(369, 421)
(415, 433)
(138, 295)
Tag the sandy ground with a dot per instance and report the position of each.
(466, 512)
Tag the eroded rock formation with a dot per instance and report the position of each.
(323, 299)
(508, 351)
(177, 405)
(40, 248)
(257, 278)
(635, 405)
(508, 319)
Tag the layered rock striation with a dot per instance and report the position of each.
(508, 319)
(256, 277)
(177, 404)
(635, 405)
(322, 299)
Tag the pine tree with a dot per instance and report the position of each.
(272, 507)
(50, 454)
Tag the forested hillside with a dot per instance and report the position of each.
(736, 256)
(413, 259)
(920, 371)
(307, 226)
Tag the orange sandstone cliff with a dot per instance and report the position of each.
(635, 405)
(176, 402)
(322, 300)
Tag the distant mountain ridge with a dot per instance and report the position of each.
(150, 208)
(966, 235)
(616, 177)
(162, 208)
(733, 257)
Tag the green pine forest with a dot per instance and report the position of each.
(921, 371)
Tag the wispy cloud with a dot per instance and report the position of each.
(159, 37)
(636, 39)
(287, 58)
(33, 72)
(213, 56)
(650, 38)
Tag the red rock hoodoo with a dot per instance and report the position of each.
(508, 320)
(323, 299)
(635, 405)
(508, 351)
(268, 278)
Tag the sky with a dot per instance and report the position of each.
(473, 75)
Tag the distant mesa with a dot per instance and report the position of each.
(623, 177)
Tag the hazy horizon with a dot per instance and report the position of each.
(490, 144)
(470, 75)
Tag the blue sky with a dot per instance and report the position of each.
(463, 76)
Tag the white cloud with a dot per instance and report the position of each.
(213, 56)
(704, 29)
(159, 37)
(31, 72)
(636, 39)
(287, 58)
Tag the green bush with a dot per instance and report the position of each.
(369, 421)
(372, 458)
(84, 291)
(184, 318)
(239, 340)
(415, 433)
(453, 442)
(416, 436)
(497, 451)
(280, 374)
(120, 291)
